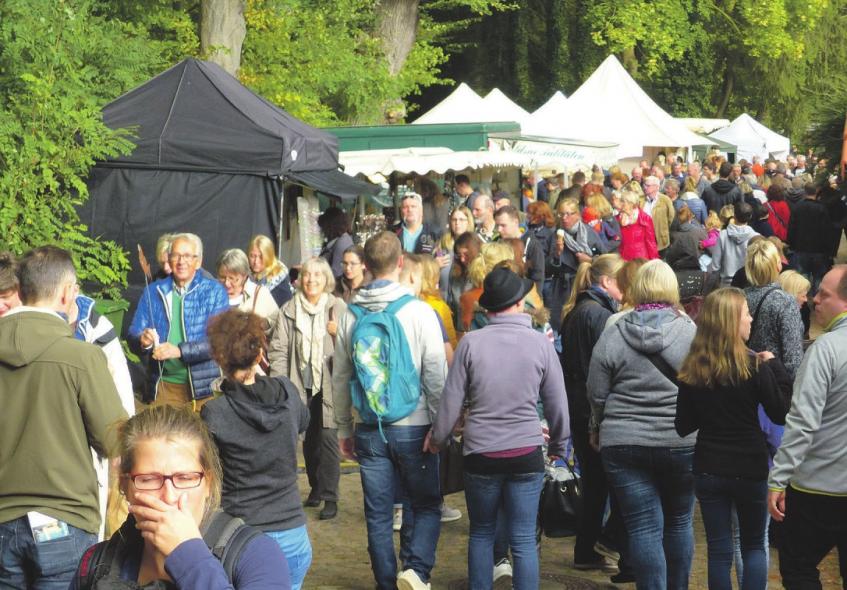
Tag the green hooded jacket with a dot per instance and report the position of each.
(57, 400)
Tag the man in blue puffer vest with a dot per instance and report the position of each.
(184, 369)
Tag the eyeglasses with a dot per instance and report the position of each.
(564, 214)
(181, 257)
(148, 482)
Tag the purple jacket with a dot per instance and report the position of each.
(502, 370)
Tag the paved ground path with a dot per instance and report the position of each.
(341, 556)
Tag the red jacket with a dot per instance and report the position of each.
(779, 215)
(638, 240)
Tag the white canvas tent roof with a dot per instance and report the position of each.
(753, 139)
(456, 108)
(552, 106)
(463, 105)
(503, 108)
(611, 106)
(544, 116)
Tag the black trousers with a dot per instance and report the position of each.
(813, 525)
(595, 490)
(320, 451)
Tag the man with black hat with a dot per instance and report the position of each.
(502, 436)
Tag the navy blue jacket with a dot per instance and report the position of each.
(204, 297)
(427, 240)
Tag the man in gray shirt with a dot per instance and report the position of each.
(808, 481)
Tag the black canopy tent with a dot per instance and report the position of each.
(211, 159)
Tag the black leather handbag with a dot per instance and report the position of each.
(560, 505)
(451, 467)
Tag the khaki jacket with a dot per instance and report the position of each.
(285, 358)
(663, 214)
(58, 399)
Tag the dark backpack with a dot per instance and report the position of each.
(100, 567)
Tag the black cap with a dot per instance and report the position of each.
(503, 288)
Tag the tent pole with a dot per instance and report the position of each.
(281, 218)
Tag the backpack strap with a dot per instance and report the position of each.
(104, 558)
(226, 537)
(397, 304)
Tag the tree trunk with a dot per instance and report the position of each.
(397, 27)
(726, 91)
(222, 31)
(630, 61)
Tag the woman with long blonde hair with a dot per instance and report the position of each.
(267, 270)
(721, 385)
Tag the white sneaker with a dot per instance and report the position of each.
(398, 519)
(449, 514)
(503, 575)
(409, 580)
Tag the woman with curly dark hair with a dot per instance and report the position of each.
(258, 413)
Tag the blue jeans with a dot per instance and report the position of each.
(654, 487)
(298, 552)
(518, 494)
(379, 463)
(717, 496)
(49, 565)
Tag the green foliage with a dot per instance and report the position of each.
(59, 63)
(323, 62)
(696, 58)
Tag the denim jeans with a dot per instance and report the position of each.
(717, 496)
(49, 565)
(379, 463)
(298, 552)
(654, 487)
(519, 495)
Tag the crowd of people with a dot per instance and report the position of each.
(652, 330)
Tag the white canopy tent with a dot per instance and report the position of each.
(503, 108)
(549, 111)
(754, 139)
(611, 107)
(379, 164)
(456, 108)
(463, 105)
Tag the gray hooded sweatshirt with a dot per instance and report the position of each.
(634, 403)
(423, 333)
(729, 253)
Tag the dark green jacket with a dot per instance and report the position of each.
(58, 399)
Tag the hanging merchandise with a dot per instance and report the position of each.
(311, 239)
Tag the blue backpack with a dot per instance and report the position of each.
(386, 386)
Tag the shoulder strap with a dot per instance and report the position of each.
(101, 559)
(255, 297)
(658, 361)
(397, 304)
(778, 216)
(759, 307)
(226, 537)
